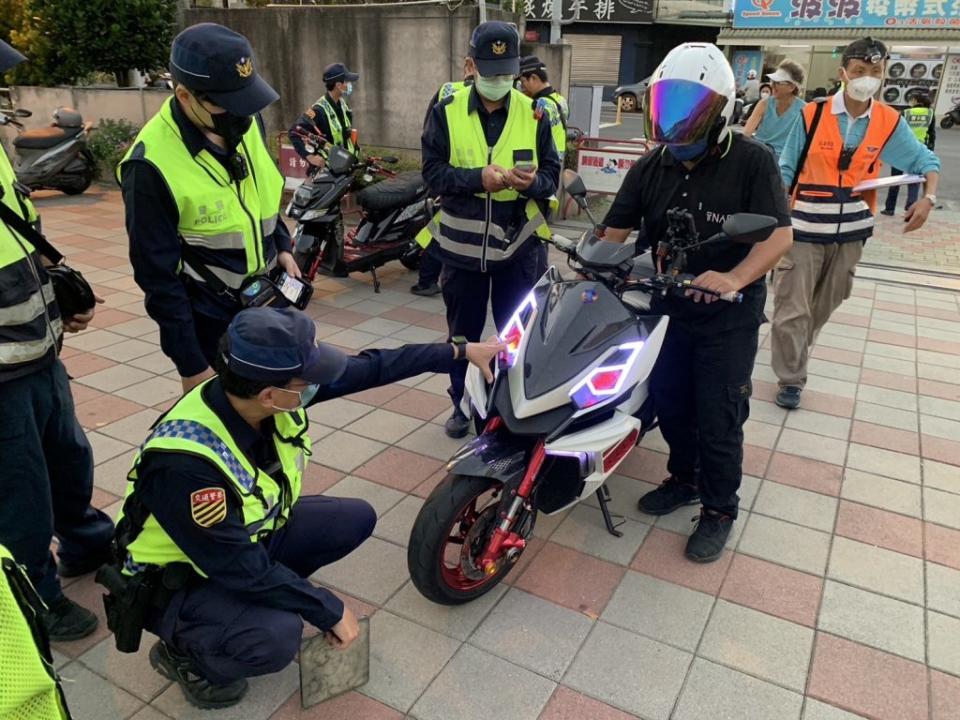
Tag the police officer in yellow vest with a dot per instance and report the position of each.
(535, 84)
(923, 123)
(46, 463)
(202, 195)
(492, 161)
(214, 508)
(330, 115)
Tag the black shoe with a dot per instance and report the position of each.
(65, 620)
(88, 564)
(673, 493)
(789, 397)
(457, 425)
(709, 538)
(199, 691)
(426, 291)
(891, 213)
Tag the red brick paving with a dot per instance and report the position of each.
(661, 556)
(418, 404)
(946, 451)
(566, 704)
(805, 473)
(891, 381)
(945, 696)
(884, 437)
(572, 579)
(398, 468)
(881, 528)
(352, 706)
(943, 545)
(773, 589)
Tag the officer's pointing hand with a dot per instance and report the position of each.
(482, 354)
(342, 635)
(494, 178)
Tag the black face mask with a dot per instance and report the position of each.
(231, 128)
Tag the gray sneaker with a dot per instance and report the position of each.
(789, 397)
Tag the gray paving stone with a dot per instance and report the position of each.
(432, 441)
(112, 474)
(943, 589)
(684, 520)
(114, 378)
(937, 358)
(345, 451)
(478, 686)
(884, 462)
(380, 326)
(720, 693)
(152, 391)
(373, 572)
(941, 508)
(149, 713)
(547, 524)
(660, 610)
(130, 672)
(759, 644)
(379, 496)
(628, 671)
(129, 350)
(816, 710)
(816, 447)
(819, 423)
(872, 619)
(889, 417)
(892, 365)
(749, 487)
(767, 412)
(266, 694)
(435, 383)
(944, 642)
(798, 506)
(106, 447)
(624, 493)
(395, 526)
(384, 425)
(132, 429)
(781, 542)
(338, 412)
(873, 568)
(353, 339)
(939, 427)
(417, 334)
(456, 621)
(156, 362)
(940, 407)
(881, 492)
(584, 530)
(90, 697)
(533, 633)
(404, 659)
(941, 476)
(761, 434)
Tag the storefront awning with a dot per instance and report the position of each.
(838, 36)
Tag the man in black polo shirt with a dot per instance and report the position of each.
(701, 383)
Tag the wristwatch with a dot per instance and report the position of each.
(460, 343)
(932, 198)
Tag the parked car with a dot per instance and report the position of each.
(630, 96)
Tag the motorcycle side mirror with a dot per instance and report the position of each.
(748, 228)
(574, 185)
(20, 112)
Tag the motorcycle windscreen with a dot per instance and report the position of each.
(577, 322)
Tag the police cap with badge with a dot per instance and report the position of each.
(495, 48)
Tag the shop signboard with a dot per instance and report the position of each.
(616, 11)
(949, 94)
(604, 169)
(853, 14)
(743, 61)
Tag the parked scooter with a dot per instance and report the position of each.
(569, 401)
(951, 118)
(54, 157)
(393, 211)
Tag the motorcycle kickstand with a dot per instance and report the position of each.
(603, 497)
(376, 280)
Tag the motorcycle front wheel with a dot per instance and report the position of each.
(411, 257)
(449, 536)
(947, 122)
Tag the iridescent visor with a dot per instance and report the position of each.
(680, 112)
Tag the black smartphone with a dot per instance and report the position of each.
(523, 160)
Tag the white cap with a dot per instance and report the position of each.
(782, 75)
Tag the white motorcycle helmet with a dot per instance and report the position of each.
(691, 97)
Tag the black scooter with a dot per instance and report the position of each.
(393, 211)
(54, 157)
(951, 118)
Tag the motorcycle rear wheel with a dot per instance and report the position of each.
(453, 517)
(947, 122)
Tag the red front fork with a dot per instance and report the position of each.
(503, 538)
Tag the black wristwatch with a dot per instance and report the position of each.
(460, 343)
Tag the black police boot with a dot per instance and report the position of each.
(199, 691)
(425, 290)
(887, 211)
(457, 425)
(65, 620)
(710, 536)
(673, 493)
(789, 397)
(89, 564)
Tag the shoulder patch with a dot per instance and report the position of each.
(446, 100)
(208, 506)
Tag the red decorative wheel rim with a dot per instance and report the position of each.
(458, 555)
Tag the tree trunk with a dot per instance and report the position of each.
(122, 77)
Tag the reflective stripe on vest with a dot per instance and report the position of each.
(192, 427)
(918, 119)
(341, 134)
(479, 235)
(825, 208)
(225, 226)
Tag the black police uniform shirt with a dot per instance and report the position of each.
(738, 175)
(456, 184)
(315, 119)
(224, 551)
(151, 219)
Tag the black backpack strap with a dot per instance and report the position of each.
(806, 145)
(190, 258)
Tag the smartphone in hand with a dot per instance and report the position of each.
(523, 160)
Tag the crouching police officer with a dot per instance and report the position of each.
(701, 383)
(215, 545)
(492, 162)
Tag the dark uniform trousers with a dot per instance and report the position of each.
(701, 390)
(230, 637)
(466, 294)
(209, 331)
(46, 478)
(430, 266)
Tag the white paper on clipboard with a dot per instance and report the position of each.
(892, 181)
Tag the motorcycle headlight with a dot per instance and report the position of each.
(606, 381)
(312, 215)
(516, 328)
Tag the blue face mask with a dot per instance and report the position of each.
(688, 152)
(349, 90)
(306, 395)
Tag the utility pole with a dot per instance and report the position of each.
(557, 21)
(483, 10)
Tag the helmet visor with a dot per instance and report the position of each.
(681, 112)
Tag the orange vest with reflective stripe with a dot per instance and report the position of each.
(825, 208)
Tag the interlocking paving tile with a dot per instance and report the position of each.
(886, 493)
(945, 696)
(90, 696)
(878, 527)
(816, 710)
(944, 642)
(781, 542)
(130, 672)
(713, 691)
(773, 589)
(456, 621)
(583, 530)
(565, 704)
(797, 506)
(351, 706)
(876, 569)
(373, 572)
(662, 556)
(943, 589)
(266, 694)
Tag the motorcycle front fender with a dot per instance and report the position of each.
(498, 456)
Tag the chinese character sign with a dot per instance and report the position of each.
(603, 171)
(949, 94)
(292, 165)
(853, 14)
(620, 11)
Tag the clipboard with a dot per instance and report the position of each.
(326, 672)
(887, 182)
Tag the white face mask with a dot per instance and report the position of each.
(862, 89)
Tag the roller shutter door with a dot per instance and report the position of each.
(596, 59)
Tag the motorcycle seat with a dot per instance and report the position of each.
(396, 192)
(47, 137)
